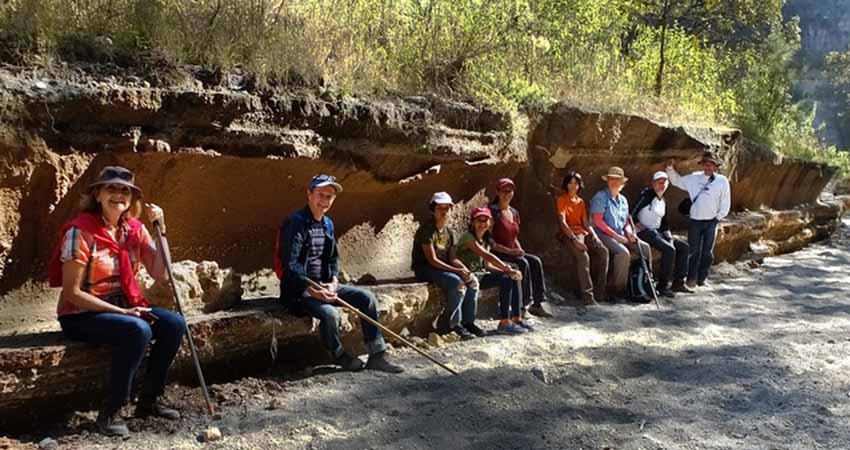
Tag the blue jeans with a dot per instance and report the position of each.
(701, 234)
(672, 251)
(510, 292)
(129, 337)
(329, 319)
(462, 306)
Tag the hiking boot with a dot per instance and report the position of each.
(680, 286)
(349, 362)
(691, 284)
(464, 334)
(703, 283)
(510, 328)
(474, 329)
(524, 323)
(378, 361)
(542, 309)
(111, 424)
(152, 407)
(666, 292)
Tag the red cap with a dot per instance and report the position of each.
(481, 211)
(505, 182)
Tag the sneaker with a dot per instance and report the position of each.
(524, 323)
(154, 408)
(691, 284)
(542, 309)
(378, 361)
(111, 424)
(680, 286)
(464, 334)
(349, 362)
(510, 328)
(475, 329)
(666, 292)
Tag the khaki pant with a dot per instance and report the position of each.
(595, 255)
(621, 256)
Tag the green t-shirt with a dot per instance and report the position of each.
(472, 261)
(442, 240)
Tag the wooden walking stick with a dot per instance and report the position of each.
(166, 258)
(384, 329)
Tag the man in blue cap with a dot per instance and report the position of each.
(307, 250)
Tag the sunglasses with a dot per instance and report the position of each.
(125, 175)
(322, 178)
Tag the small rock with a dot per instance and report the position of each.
(48, 444)
(540, 374)
(274, 404)
(434, 340)
(211, 434)
(40, 85)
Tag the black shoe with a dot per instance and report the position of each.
(110, 423)
(666, 292)
(349, 362)
(463, 333)
(542, 309)
(152, 407)
(702, 283)
(474, 329)
(680, 286)
(378, 361)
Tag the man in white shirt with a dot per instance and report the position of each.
(650, 215)
(711, 199)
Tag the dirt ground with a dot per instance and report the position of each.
(758, 360)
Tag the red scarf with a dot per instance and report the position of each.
(94, 225)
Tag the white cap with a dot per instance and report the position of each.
(659, 175)
(442, 198)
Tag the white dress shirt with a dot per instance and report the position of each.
(713, 203)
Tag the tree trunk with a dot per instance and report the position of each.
(659, 74)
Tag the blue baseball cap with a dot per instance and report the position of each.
(323, 180)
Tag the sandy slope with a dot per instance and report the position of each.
(757, 361)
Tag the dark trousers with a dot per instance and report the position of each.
(129, 337)
(674, 256)
(701, 235)
(509, 293)
(329, 319)
(533, 284)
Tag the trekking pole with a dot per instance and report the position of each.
(384, 329)
(166, 258)
(649, 275)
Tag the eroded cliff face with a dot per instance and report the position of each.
(228, 165)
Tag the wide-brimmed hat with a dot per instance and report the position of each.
(615, 172)
(116, 175)
(480, 211)
(323, 180)
(442, 198)
(709, 157)
(502, 183)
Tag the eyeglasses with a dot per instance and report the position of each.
(117, 189)
(322, 178)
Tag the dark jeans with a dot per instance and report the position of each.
(509, 293)
(701, 234)
(462, 304)
(672, 251)
(329, 320)
(533, 284)
(129, 337)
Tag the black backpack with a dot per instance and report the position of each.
(639, 288)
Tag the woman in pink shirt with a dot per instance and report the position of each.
(506, 223)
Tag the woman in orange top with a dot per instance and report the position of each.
(95, 262)
(580, 240)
